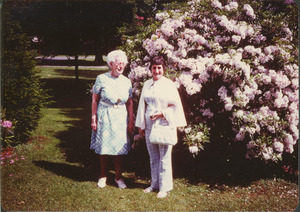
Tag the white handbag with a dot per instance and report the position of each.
(163, 134)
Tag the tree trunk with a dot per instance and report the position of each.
(99, 59)
(76, 67)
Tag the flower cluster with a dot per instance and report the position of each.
(7, 131)
(196, 136)
(6, 124)
(9, 157)
(227, 50)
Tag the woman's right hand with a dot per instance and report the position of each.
(94, 123)
(156, 115)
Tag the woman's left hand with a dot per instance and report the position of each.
(129, 105)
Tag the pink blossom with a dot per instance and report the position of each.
(228, 103)
(200, 39)
(161, 16)
(268, 95)
(231, 6)
(187, 130)
(278, 146)
(273, 74)
(217, 4)
(222, 92)
(193, 149)
(295, 83)
(185, 78)
(251, 130)
(167, 30)
(260, 38)
(250, 93)
(295, 131)
(282, 80)
(236, 39)
(252, 50)
(267, 153)
(204, 76)
(241, 134)
(139, 72)
(288, 2)
(293, 108)
(139, 17)
(239, 114)
(193, 88)
(281, 101)
(249, 11)
(266, 79)
(7, 124)
(289, 139)
(207, 113)
(289, 149)
(181, 43)
(251, 145)
(271, 129)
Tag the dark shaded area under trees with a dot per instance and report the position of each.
(76, 28)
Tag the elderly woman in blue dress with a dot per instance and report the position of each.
(112, 116)
(159, 100)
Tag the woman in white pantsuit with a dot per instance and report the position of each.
(159, 100)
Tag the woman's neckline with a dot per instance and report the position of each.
(110, 74)
(155, 81)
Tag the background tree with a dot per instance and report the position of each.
(22, 92)
(73, 28)
(81, 28)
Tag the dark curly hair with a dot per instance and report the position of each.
(158, 60)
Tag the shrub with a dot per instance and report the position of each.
(236, 66)
(23, 95)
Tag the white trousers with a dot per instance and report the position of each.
(160, 164)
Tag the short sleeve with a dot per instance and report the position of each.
(97, 86)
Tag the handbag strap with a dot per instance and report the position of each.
(156, 105)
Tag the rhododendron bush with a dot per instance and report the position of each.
(236, 67)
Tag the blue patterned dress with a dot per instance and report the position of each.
(111, 136)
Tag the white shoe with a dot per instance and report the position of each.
(102, 182)
(148, 190)
(121, 183)
(162, 194)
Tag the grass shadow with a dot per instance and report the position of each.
(81, 174)
(73, 172)
(68, 93)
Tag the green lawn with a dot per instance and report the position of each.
(56, 171)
